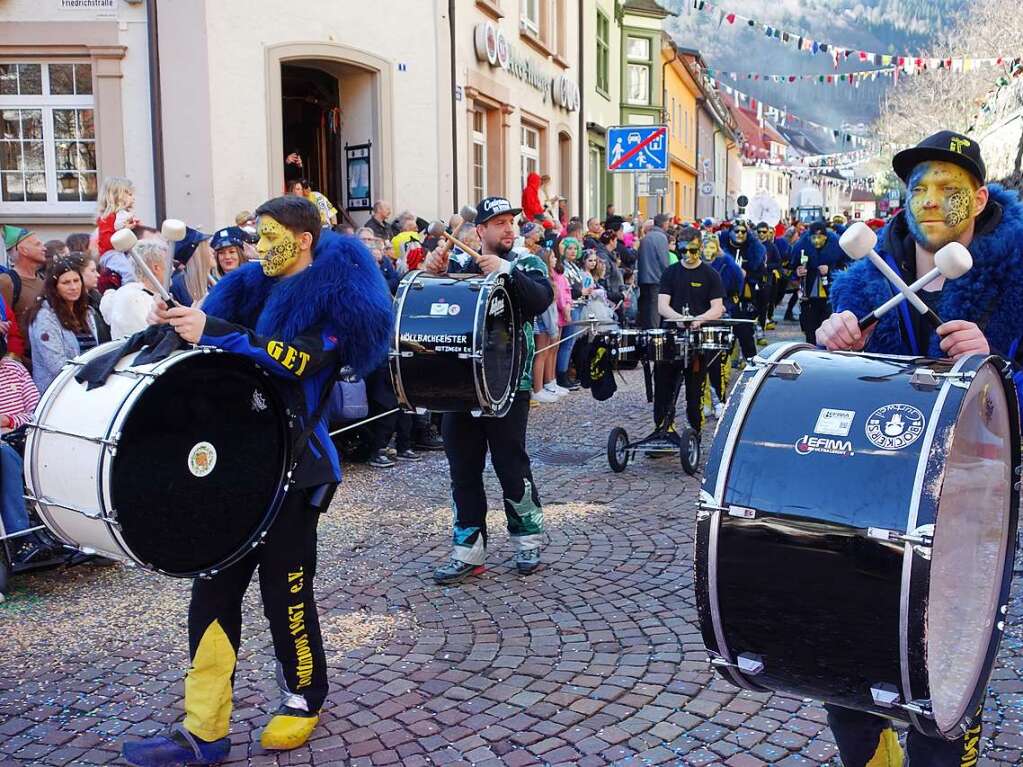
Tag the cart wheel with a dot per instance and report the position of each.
(690, 452)
(617, 449)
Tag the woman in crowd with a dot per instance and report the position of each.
(88, 265)
(61, 325)
(546, 332)
(127, 308)
(569, 250)
(228, 247)
(191, 284)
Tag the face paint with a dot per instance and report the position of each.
(941, 204)
(710, 250)
(692, 253)
(819, 240)
(764, 234)
(741, 233)
(277, 246)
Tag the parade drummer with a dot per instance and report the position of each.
(949, 201)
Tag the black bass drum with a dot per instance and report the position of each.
(456, 345)
(860, 549)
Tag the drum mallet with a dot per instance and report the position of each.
(859, 240)
(439, 229)
(950, 262)
(125, 240)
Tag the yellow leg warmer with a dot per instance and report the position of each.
(208, 685)
(284, 733)
(889, 752)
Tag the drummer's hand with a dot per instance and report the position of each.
(158, 314)
(959, 338)
(187, 322)
(841, 332)
(437, 262)
(489, 263)
(823, 268)
(800, 271)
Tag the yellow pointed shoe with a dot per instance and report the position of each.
(287, 731)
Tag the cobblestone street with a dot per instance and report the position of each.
(596, 659)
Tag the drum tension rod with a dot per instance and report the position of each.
(887, 695)
(921, 536)
(747, 663)
(706, 509)
(787, 369)
(926, 379)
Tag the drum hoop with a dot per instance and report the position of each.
(495, 407)
(399, 385)
(738, 420)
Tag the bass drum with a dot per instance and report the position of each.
(178, 466)
(859, 550)
(456, 346)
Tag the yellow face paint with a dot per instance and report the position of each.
(941, 203)
(691, 254)
(819, 240)
(277, 246)
(710, 249)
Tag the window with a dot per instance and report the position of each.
(47, 137)
(596, 181)
(530, 152)
(479, 154)
(603, 52)
(637, 87)
(638, 49)
(780, 187)
(531, 15)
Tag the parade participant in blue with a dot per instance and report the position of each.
(751, 255)
(772, 275)
(732, 283)
(818, 257)
(689, 288)
(315, 303)
(838, 224)
(983, 311)
(467, 438)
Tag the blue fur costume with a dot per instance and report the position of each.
(991, 290)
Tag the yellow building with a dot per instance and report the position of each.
(681, 92)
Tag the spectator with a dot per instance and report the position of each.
(593, 231)
(228, 247)
(328, 213)
(378, 220)
(191, 284)
(116, 211)
(630, 297)
(60, 325)
(293, 168)
(78, 242)
(55, 248)
(606, 251)
(574, 229)
(569, 254)
(624, 253)
(406, 239)
(88, 266)
(21, 285)
(653, 260)
(532, 207)
(127, 308)
(531, 234)
(545, 333)
(609, 211)
(376, 247)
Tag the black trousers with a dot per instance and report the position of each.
(812, 313)
(717, 372)
(860, 736)
(380, 393)
(793, 300)
(648, 316)
(287, 566)
(666, 379)
(466, 442)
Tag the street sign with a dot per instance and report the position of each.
(658, 184)
(637, 148)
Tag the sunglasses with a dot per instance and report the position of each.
(693, 250)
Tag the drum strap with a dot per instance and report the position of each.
(303, 439)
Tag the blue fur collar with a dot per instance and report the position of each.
(992, 289)
(829, 255)
(342, 292)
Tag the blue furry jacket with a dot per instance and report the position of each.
(731, 280)
(301, 329)
(831, 256)
(990, 294)
(751, 256)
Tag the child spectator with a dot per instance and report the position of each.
(116, 211)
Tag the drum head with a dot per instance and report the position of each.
(498, 346)
(971, 541)
(199, 464)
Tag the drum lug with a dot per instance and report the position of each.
(468, 355)
(705, 510)
(395, 354)
(787, 369)
(921, 536)
(748, 663)
(926, 379)
(887, 695)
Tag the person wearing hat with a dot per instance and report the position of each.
(22, 283)
(818, 257)
(228, 246)
(195, 262)
(468, 438)
(948, 201)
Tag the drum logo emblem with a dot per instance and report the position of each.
(895, 426)
(202, 459)
(808, 444)
(496, 307)
(258, 401)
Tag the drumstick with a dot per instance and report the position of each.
(124, 240)
(439, 229)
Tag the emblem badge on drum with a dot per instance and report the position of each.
(895, 426)
(202, 459)
(258, 401)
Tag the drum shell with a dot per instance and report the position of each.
(629, 344)
(800, 582)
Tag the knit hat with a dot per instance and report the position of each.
(13, 235)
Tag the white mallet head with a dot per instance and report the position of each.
(173, 230)
(858, 240)
(953, 261)
(123, 240)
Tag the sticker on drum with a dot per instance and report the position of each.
(834, 423)
(202, 459)
(439, 309)
(454, 309)
(895, 426)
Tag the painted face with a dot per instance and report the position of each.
(228, 258)
(739, 234)
(710, 249)
(819, 240)
(277, 246)
(69, 286)
(691, 254)
(764, 234)
(941, 204)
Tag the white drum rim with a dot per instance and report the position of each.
(495, 407)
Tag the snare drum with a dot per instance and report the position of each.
(628, 344)
(456, 345)
(713, 338)
(859, 550)
(178, 466)
(660, 344)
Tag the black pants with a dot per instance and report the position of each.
(466, 441)
(666, 378)
(793, 300)
(717, 373)
(812, 313)
(287, 566)
(648, 316)
(380, 393)
(860, 736)
(745, 333)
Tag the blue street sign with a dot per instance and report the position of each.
(637, 148)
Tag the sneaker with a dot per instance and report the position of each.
(771, 325)
(719, 410)
(545, 396)
(556, 390)
(430, 439)
(30, 550)
(408, 455)
(380, 460)
(527, 561)
(454, 571)
(707, 411)
(574, 385)
(178, 748)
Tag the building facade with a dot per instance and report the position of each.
(682, 95)
(602, 76)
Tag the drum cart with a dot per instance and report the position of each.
(620, 451)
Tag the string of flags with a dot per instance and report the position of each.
(853, 78)
(908, 64)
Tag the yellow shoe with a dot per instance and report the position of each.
(285, 732)
(771, 325)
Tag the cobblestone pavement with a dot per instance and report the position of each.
(595, 660)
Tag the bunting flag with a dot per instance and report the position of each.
(907, 63)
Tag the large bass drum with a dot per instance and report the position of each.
(857, 529)
(456, 345)
(178, 466)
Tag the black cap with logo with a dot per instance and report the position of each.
(489, 207)
(944, 146)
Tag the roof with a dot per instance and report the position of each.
(862, 195)
(646, 8)
(757, 138)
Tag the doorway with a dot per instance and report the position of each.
(311, 111)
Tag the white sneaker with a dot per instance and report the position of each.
(719, 410)
(545, 396)
(554, 389)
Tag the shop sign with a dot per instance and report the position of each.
(493, 47)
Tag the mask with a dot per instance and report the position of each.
(764, 234)
(692, 253)
(819, 240)
(277, 246)
(710, 250)
(740, 234)
(941, 204)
